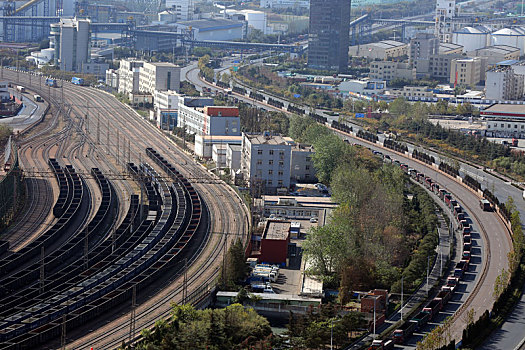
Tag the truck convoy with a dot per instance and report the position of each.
(433, 307)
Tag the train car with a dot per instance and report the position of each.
(51, 82)
(77, 81)
(485, 205)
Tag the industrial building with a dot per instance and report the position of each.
(204, 144)
(329, 34)
(182, 9)
(210, 120)
(160, 76)
(497, 53)
(282, 4)
(505, 120)
(466, 71)
(219, 29)
(71, 39)
(472, 38)
(388, 70)
(359, 88)
(438, 66)
(514, 37)
(382, 50)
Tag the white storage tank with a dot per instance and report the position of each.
(511, 37)
(257, 20)
(472, 38)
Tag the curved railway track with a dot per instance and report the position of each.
(222, 200)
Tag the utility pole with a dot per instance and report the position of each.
(129, 151)
(86, 249)
(63, 335)
(118, 151)
(132, 320)
(42, 270)
(401, 298)
(185, 283)
(428, 264)
(107, 143)
(98, 128)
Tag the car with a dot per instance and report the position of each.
(313, 220)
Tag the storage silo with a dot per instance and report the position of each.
(514, 36)
(472, 38)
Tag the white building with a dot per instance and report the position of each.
(503, 84)
(183, 9)
(219, 155)
(472, 38)
(112, 78)
(214, 29)
(71, 39)
(388, 70)
(266, 162)
(210, 120)
(159, 76)
(166, 99)
(280, 4)
(128, 76)
(204, 145)
(514, 37)
(233, 156)
(445, 11)
(4, 91)
(362, 87)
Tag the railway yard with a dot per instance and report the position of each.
(118, 223)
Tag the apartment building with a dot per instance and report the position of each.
(128, 76)
(160, 76)
(266, 162)
(210, 120)
(502, 83)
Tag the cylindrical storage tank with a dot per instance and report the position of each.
(514, 37)
(257, 20)
(471, 38)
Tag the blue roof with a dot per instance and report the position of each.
(507, 63)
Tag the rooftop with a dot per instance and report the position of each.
(220, 138)
(211, 23)
(445, 47)
(503, 49)
(277, 230)
(388, 44)
(235, 148)
(268, 139)
(505, 108)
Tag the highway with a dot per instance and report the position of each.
(496, 233)
(111, 135)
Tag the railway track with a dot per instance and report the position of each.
(203, 264)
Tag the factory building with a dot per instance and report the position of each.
(497, 53)
(219, 29)
(210, 120)
(71, 39)
(182, 9)
(381, 50)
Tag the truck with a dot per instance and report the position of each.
(447, 198)
(464, 223)
(466, 255)
(271, 276)
(460, 268)
(51, 82)
(460, 216)
(20, 88)
(466, 247)
(445, 296)
(404, 332)
(467, 230)
(452, 283)
(421, 319)
(381, 345)
(452, 204)
(77, 81)
(38, 98)
(433, 307)
(262, 288)
(485, 205)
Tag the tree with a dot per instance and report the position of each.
(329, 152)
(500, 284)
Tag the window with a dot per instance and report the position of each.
(281, 163)
(280, 182)
(269, 182)
(281, 153)
(280, 173)
(307, 167)
(270, 172)
(259, 151)
(259, 162)
(271, 152)
(270, 162)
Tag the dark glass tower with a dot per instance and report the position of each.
(329, 34)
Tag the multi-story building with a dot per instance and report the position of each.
(71, 39)
(358, 88)
(503, 84)
(302, 166)
(112, 78)
(183, 9)
(445, 11)
(466, 71)
(505, 120)
(281, 4)
(381, 50)
(166, 99)
(497, 53)
(4, 91)
(210, 120)
(388, 70)
(160, 76)
(329, 34)
(266, 162)
(413, 91)
(439, 66)
(423, 46)
(128, 76)
(221, 29)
